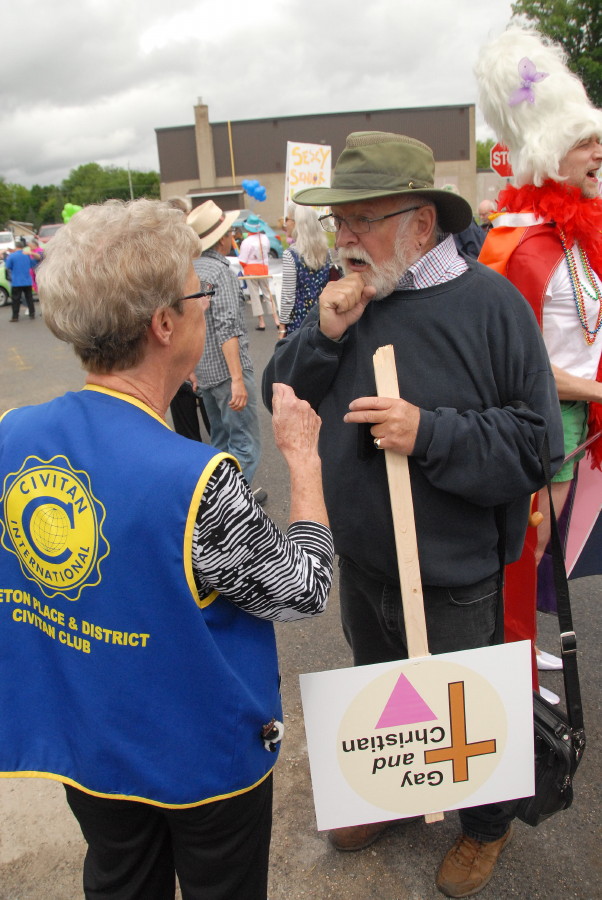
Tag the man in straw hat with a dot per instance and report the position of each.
(467, 348)
(225, 372)
(547, 240)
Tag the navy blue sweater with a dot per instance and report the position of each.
(464, 351)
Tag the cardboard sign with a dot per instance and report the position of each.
(418, 736)
(307, 165)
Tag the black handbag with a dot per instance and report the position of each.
(559, 738)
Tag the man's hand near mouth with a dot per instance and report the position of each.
(342, 303)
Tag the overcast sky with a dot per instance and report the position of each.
(89, 81)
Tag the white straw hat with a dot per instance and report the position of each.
(210, 222)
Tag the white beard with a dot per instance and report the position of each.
(385, 276)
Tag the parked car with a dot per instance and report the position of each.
(7, 242)
(47, 231)
(275, 246)
(5, 298)
(4, 287)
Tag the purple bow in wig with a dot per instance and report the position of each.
(528, 75)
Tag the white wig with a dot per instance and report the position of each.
(533, 103)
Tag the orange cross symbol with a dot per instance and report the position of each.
(460, 751)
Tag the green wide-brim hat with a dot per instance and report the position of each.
(380, 164)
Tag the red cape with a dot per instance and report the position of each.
(560, 207)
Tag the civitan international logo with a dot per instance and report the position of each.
(433, 741)
(53, 524)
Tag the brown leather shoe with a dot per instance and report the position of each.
(356, 837)
(469, 865)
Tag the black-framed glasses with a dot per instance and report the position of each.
(206, 289)
(357, 224)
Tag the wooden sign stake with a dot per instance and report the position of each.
(404, 527)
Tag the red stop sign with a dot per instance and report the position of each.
(498, 160)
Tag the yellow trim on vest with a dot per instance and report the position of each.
(206, 474)
(128, 399)
(64, 780)
(5, 413)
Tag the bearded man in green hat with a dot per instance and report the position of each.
(477, 397)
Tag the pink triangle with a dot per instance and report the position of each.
(404, 707)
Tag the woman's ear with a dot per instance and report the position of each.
(161, 324)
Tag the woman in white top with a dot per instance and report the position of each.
(253, 256)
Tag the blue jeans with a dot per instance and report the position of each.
(235, 432)
(456, 619)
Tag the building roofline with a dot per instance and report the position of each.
(351, 112)
(328, 115)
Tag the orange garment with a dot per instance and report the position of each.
(555, 206)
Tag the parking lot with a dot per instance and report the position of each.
(41, 849)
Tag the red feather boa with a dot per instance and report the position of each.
(580, 219)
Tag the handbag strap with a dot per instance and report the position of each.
(260, 246)
(568, 640)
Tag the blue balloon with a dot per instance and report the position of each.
(255, 190)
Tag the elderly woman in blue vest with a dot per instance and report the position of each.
(140, 579)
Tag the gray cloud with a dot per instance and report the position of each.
(93, 80)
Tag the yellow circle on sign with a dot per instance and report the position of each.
(435, 762)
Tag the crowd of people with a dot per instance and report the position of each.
(165, 546)
(20, 266)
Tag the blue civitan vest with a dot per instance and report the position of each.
(116, 676)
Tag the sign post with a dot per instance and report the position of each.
(404, 527)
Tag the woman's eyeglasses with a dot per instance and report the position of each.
(205, 290)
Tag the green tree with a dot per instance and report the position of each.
(89, 183)
(483, 155)
(47, 203)
(577, 26)
(21, 208)
(92, 183)
(6, 202)
(50, 207)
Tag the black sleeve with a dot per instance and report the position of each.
(306, 360)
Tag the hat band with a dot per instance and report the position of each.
(203, 234)
(349, 182)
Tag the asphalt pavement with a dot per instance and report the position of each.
(41, 849)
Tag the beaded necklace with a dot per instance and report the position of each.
(589, 334)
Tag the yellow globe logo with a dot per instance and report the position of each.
(53, 524)
(50, 528)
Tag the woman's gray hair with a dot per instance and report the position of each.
(311, 242)
(106, 273)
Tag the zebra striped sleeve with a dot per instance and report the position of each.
(240, 552)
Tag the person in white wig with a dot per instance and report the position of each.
(547, 239)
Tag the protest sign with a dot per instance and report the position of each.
(307, 165)
(417, 736)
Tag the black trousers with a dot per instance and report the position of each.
(184, 409)
(456, 619)
(24, 291)
(220, 851)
